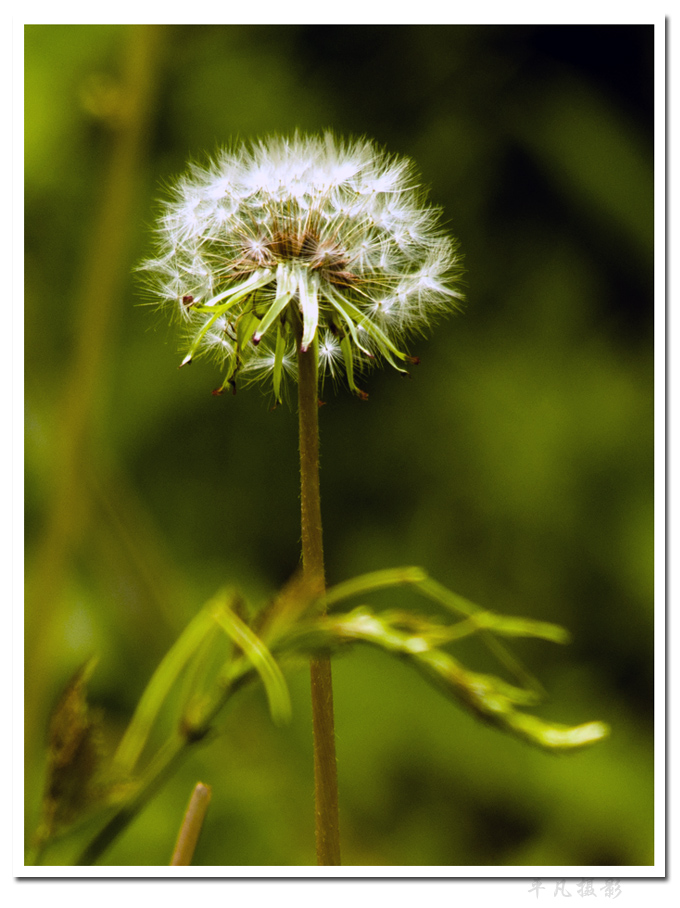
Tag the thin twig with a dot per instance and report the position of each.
(191, 825)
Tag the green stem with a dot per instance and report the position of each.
(325, 768)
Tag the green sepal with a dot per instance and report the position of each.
(278, 361)
(236, 293)
(254, 282)
(199, 337)
(346, 348)
(377, 334)
(245, 325)
(347, 320)
(309, 303)
(284, 291)
(273, 312)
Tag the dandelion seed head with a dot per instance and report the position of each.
(305, 241)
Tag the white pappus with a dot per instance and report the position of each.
(302, 242)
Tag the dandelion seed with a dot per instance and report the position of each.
(303, 242)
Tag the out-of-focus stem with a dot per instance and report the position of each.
(191, 826)
(104, 270)
(163, 765)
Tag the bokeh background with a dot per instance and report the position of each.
(516, 465)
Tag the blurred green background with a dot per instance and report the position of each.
(516, 465)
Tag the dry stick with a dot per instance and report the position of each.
(325, 769)
(191, 826)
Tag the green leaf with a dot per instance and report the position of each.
(369, 583)
(557, 738)
(494, 701)
(262, 660)
(158, 688)
(458, 605)
(522, 627)
(479, 621)
(505, 627)
(414, 638)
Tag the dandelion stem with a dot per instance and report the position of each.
(325, 769)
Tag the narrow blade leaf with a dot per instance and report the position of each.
(263, 661)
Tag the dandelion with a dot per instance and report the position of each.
(309, 242)
(305, 257)
(302, 257)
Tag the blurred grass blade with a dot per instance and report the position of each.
(494, 701)
(369, 583)
(262, 660)
(490, 698)
(506, 627)
(164, 677)
(461, 606)
(98, 295)
(451, 601)
(589, 151)
(483, 622)
(555, 737)
(523, 627)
